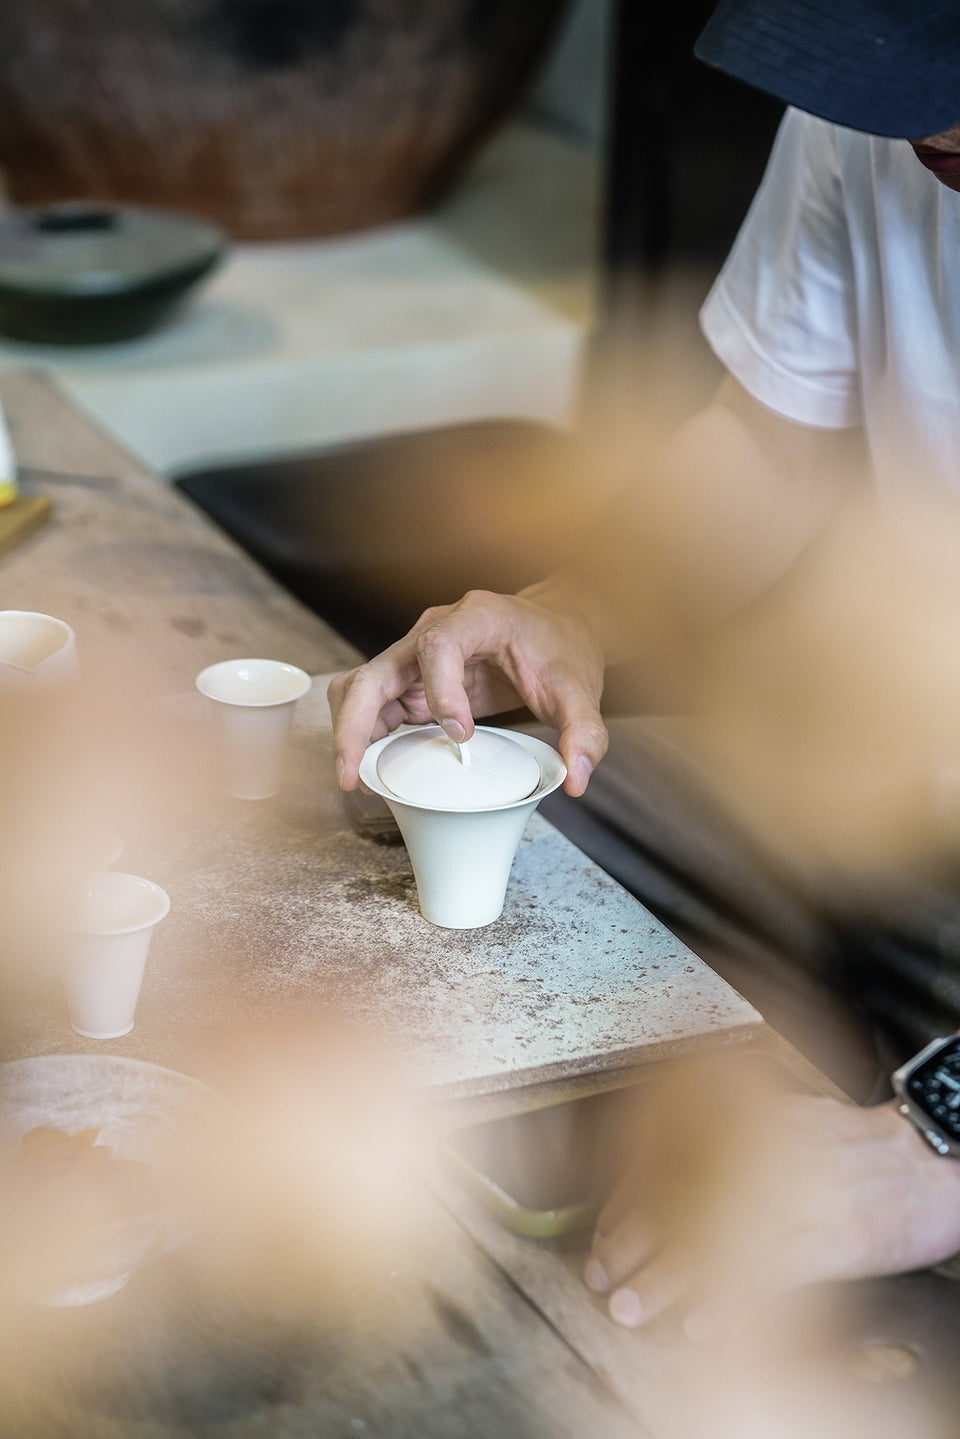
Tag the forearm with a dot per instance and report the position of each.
(715, 519)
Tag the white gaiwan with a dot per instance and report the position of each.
(488, 771)
(462, 810)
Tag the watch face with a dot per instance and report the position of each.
(935, 1086)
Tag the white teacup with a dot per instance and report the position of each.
(462, 858)
(109, 933)
(253, 703)
(36, 650)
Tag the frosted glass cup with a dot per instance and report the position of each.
(462, 857)
(253, 703)
(109, 933)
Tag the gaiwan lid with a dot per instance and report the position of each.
(490, 770)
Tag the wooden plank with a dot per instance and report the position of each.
(657, 1373)
(151, 586)
(433, 1344)
(20, 518)
(645, 1370)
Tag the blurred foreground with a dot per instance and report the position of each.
(323, 1278)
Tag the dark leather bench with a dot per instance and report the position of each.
(369, 534)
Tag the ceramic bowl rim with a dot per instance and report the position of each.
(203, 678)
(537, 747)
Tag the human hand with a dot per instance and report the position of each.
(486, 654)
(792, 1190)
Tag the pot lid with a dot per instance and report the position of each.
(93, 249)
(425, 768)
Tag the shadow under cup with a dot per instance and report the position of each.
(462, 858)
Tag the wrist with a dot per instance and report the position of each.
(928, 1118)
(574, 603)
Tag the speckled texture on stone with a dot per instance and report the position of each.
(278, 902)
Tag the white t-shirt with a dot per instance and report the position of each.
(839, 304)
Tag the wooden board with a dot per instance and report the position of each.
(20, 518)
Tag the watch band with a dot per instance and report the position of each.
(927, 1088)
(925, 1124)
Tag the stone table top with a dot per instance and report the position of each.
(278, 903)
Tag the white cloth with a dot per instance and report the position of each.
(839, 304)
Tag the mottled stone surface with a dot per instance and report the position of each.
(279, 903)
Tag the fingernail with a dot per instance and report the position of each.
(595, 1276)
(584, 770)
(625, 1308)
(341, 771)
(453, 730)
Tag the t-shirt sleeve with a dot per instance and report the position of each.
(781, 315)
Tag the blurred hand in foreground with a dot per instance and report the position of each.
(482, 656)
(735, 1196)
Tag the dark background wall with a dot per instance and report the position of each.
(690, 143)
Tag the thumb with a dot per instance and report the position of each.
(583, 743)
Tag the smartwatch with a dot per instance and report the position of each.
(928, 1090)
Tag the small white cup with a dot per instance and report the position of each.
(253, 703)
(36, 650)
(462, 858)
(110, 930)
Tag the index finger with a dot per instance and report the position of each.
(420, 677)
(365, 705)
(443, 649)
